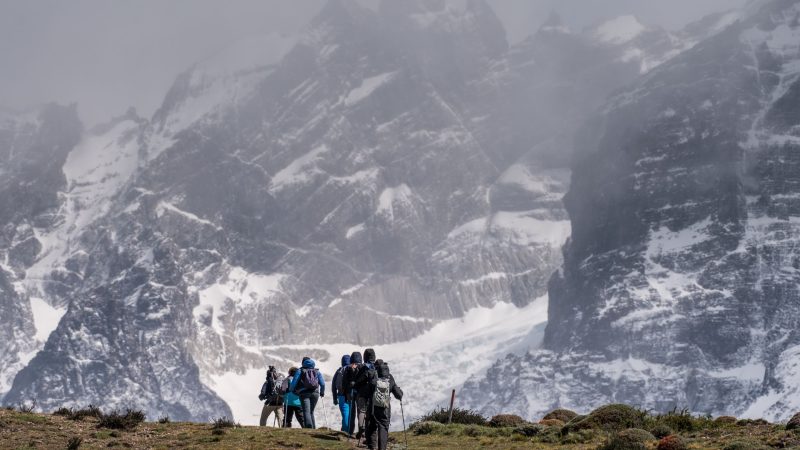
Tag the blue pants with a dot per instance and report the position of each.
(344, 408)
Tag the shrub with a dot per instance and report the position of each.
(27, 408)
(672, 442)
(750, 422)
(506, 420)
(744, 445)
(661, 431)
(473, 431)
(217, 431)
(462, 416)
(117, 421)
(164, 419)
(678, 420)
(529, 429)
(89, 411)
(794, 422)
(426, 427)
(725, 420)
(551, 423)
(610, 418)
(630, 439)
(578, 437)
(563, 415)
(74, 443)
(66, 412)
(224, 422)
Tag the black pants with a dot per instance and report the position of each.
(378, 423)
(297, 411)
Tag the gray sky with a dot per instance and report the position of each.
(109, 55)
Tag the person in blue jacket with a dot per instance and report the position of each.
(338, 394)
(291, 401)
(309, 385)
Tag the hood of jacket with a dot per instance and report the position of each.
(345, 360)
(369, 355)
(355, 358)
(309, 363)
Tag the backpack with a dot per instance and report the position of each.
(380, 397)
(276, 397)
(283, 389)
(339, 377)
(308, 381)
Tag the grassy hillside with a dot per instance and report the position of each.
(615, 427)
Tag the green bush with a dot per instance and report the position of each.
(462, 416)
(224, 422)
(66, 412)
(794, 422)
(89, 411)
(529, 429)
(610, 418)
(725, 421)
(661, 431)
(563, 415)
(578, 437)
(506, 420)
(630, 439)
(744, 445)
(426, 427)
(164, 419)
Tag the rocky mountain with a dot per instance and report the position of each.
(679, 287)
(389, 170)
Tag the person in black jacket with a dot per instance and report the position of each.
(379, 407)
(273, 401)
(339, 395)
(348, 386)
(363, 389)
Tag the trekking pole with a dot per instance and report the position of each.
(403, 415)
(325, 413)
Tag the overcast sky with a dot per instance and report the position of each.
(109, 55)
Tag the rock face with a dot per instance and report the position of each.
(680, 281)
(388, 170)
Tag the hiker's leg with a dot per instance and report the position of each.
(279, 414)
(382, 420)
(352, 427)
(344, 408)
(305, 400)
(361, 404)
(264, 414)
(371, 429)
(313, 399)
(298, 414)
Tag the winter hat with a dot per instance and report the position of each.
(369, 355)
(382, 367)
(355, 358)
(345, 360)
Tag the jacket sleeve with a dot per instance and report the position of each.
(295, 379)
(335, 392)
(396, 391)
(321, 380)
(346, 379)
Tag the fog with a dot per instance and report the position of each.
(107, 56)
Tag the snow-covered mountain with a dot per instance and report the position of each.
(680, 281)
(373, 181)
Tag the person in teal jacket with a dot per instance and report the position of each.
(291, 402)
(309, 385)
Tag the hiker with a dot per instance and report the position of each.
(273, 401)
(348, 385)
(379, 408)
(363, 389)
(338, 394)
(291, 401)
(309, 385)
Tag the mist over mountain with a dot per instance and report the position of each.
(400, 174)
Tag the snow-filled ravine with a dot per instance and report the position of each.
(426, 367)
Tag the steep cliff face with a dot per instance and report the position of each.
(33, 147)
(680, 281)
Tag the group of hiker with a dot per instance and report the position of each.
(361, 388)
